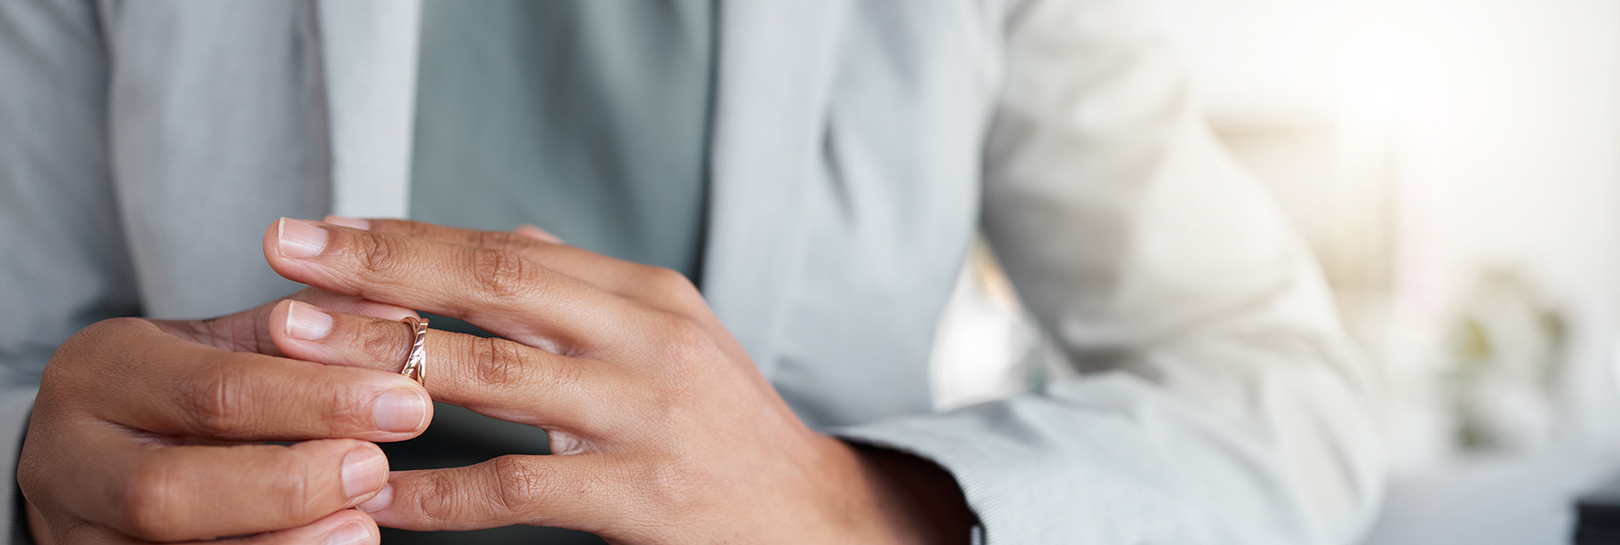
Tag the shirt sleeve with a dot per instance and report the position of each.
(1212, 396)
(62, 260)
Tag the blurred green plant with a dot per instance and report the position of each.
(1506, 362)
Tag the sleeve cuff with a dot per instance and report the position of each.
(1039, 470)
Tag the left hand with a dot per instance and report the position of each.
(664, 430)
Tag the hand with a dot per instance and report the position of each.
(665, 431)
(130, 435)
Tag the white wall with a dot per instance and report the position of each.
(1493, 126)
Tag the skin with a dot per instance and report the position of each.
(664, 430)
(142, 427)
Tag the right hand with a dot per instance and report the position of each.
(144, 431)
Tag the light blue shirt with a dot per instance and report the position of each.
(587, 118)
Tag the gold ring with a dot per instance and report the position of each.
(416, 363)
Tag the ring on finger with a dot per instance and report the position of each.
(416, 363)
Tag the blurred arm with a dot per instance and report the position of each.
(62, 263)
(1216, 399)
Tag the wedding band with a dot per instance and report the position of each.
(416, 363)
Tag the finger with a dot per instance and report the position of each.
(536, 245)
(657, 287)
(173, 387)
(347, 527)
(626, 278)
(176, 493)
(497, 290)
(441, 233)
(493, 376)
(559, 491)
(528, 230)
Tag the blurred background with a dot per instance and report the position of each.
(1455, 165)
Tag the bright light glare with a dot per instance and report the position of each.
(1384, 78)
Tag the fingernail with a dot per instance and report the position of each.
(306, 322)
(299, 238)
(400, 410)
(365, 469)
(348, 222)
(350, 534)
(379, 501)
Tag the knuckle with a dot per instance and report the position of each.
(665, 276)
(348, 410)
(214, 397)
(438, 501)
(667, 482)
(667, 282)
(407, 228)
(150, 509)
(76, 373)
(685, 354)
(517, 483)
(96, 336)
(498, 273)
(385, 341)
(376, 252)
(685, 341)
(112, 326)
(290, 488)
(495, 240)
(30, 477)
(33, 474)
(498, 362)
(567, 375)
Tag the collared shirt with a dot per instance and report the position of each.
(588, 119)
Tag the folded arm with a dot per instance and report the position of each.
(1213, 398)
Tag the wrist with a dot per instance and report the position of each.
(905, 499)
